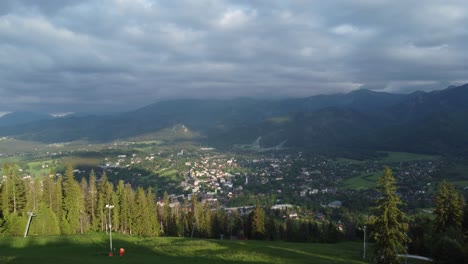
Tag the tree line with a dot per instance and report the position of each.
(64, 205)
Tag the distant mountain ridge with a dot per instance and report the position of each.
(428, 122)
(16, 118)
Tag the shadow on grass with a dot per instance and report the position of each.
(94, 248)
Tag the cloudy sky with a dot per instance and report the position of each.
(115, 55)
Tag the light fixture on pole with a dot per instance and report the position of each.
(110, 228)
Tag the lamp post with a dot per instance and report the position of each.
(110, 228)
(364, 254)
(406, 248)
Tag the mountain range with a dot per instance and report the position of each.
(423, 122)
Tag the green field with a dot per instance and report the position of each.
(10, 145)
(35, 167)
(456, 172)
(348, 161)
(94, 248)
(167, 173)
(9, 160)
(362, 182)
(405, 156)
(462, 184)
(76, 161)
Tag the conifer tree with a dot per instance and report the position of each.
(34, 195)
(115, 212)
(101, 202)
(110, 200)
(72, 203)
(199, 226)
(91, 201)
(191, 219)
(258, 222)
(448, 232)
(13, 191)
(45, 222)
(130, 196)
(449, 209)
(152, 212)
(5, 192)
(57, 202)
(48, 191)
(121, 198)
(84, 218)
(140, 213)
(207, 226)
(218, 221)
(166, 214)
(13, 197)
(389, 226)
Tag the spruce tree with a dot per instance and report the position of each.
(72, 203)
(91, 201)
(48, 191)
(130, 196)
(191, 215)
(101, 218)
(15, 191)
(45, 222)
(448, 230)
(34, 194)
(207, 225)
(13, 197)
(84, 216)
(449, 209)
(258, 222)
(123, 207)
(142, 225)
(166, 214)
(199, 218)
(152, 212)
(58, 198)
(116, 218)
(390, 223)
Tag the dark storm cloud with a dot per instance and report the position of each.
(112, 55)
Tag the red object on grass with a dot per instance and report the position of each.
(121, 251)
(111, 254)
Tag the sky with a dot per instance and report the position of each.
(60, 56)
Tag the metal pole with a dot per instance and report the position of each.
(406, 248)
(364, 254)
(110, 226)
(30, 214)
(110, 229)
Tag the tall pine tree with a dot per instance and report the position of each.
(72, 203)
(449, 209)
(448, 232)
(390, 223)
(258, 223)
(91, 201)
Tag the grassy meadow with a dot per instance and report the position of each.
(362, 182)
(94, 248)
(405, 156)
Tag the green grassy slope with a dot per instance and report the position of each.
(93, 249)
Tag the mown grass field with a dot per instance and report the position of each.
(167, 173)
(362, 182)
(405, 156)
(91, 249)
(94, 248)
